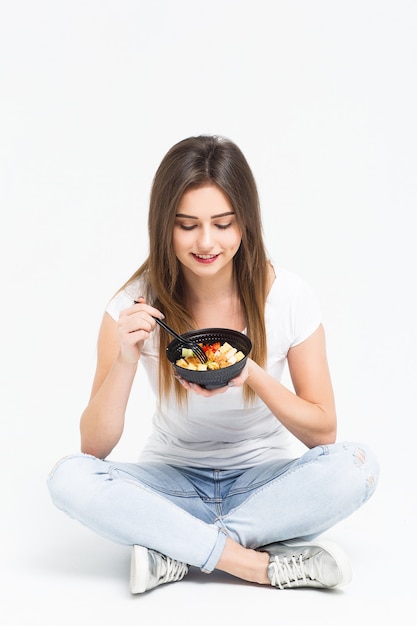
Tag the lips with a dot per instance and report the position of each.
(205, 258)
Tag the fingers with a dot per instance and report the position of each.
(135, 326)
(139, 317)
(140, 300)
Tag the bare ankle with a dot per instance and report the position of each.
(244, 563)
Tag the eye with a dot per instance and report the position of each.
(224, 226)
(185, 227)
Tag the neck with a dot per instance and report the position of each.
(208, 290)
(214, 302)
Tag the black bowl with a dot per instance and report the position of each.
(211, 379)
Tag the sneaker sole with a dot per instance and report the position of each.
(335, 551)
(139, 566)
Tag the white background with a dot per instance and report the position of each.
(321, 97)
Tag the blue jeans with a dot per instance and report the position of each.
(187, 513)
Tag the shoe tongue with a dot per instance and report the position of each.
(159, 565)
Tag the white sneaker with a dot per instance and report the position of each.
(148, 569)
(303, 564)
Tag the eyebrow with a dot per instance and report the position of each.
(213, 217)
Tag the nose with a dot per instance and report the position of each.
(205, 238)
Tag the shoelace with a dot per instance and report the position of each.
(284, 571)
(173, 569)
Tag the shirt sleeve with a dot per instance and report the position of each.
(123, 299)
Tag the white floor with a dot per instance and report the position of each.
(55, 571)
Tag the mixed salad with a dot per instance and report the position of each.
(218, 356)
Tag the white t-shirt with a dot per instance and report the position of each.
(221, 432)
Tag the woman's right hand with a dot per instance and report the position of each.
(134, 327)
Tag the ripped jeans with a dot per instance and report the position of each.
(187, 513)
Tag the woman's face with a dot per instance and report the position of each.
(206, 236)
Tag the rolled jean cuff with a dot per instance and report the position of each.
(216, 553)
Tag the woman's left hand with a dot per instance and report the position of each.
(207, 393)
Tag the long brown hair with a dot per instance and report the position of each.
(191, 163)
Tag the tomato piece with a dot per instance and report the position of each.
(211, 346)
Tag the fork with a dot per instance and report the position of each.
(191, 345)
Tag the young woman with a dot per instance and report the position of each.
(216, 485)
